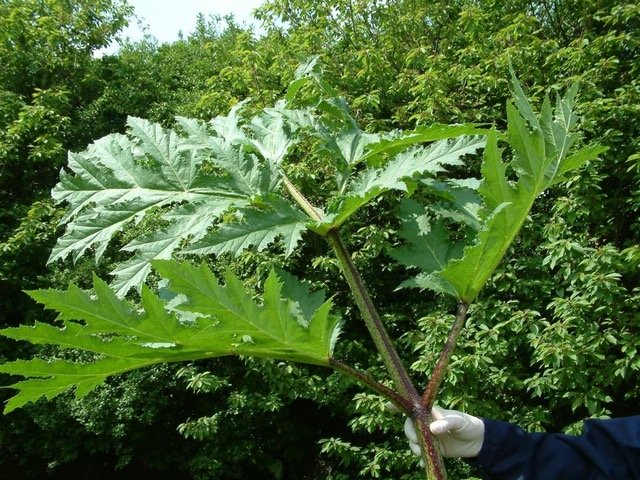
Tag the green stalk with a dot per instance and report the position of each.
(434, 465)
(407, 396)
(431, 391)
(399, 401)
(301, 200)
(372, 320)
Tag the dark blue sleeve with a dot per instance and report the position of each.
(608, 450)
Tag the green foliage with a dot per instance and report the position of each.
(371, 182)
(120, 178)
(46, 51)
(256, 228)
(204, 320)
(398, 64)
(541, 158)
(33, 30)
(195, 177)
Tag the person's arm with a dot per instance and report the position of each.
(608, 450)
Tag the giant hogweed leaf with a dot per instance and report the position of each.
(304, 302)
(177, 168)
(269, 329)
(245, 173)
(393, 176)
(271, 133)
(395, 142)
(347, 146)
(271, 136)
(428, 247)
(352, 146)
(540, 147)
(118, 179)
(257, 228)
(460, 201)
(385, 154)
(229, 127)
(229, 321)
(187, 221)
(50, 379)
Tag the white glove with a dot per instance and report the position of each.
(459, 434)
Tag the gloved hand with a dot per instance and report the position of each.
(459, 434)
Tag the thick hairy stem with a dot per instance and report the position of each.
(402, 403)
(434, 466)
(302, 200)
(430, 392)
(407, 398)
(372, 320)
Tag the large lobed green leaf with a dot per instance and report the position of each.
(258, 228)
(119, 178)
(202, 319)
(540, 145)
(370, 164)
(192, 177)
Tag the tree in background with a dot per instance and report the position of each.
(46, 52)
(46, 49)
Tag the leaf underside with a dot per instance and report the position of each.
(194, 177)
